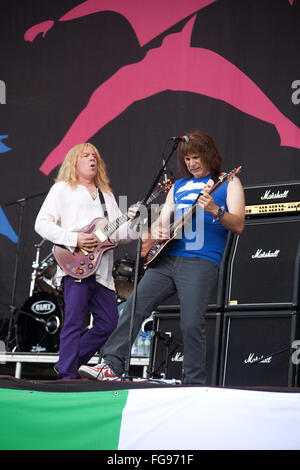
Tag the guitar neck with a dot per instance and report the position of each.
(190, 212)
(113, 226)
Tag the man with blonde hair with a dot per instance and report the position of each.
(72, 203)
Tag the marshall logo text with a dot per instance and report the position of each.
(260, 253)
(253, 358)
(178, 357)
(270, 195)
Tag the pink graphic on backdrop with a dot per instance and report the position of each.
(148, 18)
(158, 14)
(43, 28)
(158, 71)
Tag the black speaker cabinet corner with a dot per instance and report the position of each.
(257, 348)
(263, 267)
(167, 354)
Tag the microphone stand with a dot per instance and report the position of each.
(21, 202)
(35, 266)
(138, 257)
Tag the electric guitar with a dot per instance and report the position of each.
(81, 263)
(152, 249)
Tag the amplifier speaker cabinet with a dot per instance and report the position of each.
(263, 267)
(257, 348)
(166, 357)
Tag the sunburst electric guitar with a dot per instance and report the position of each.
(154, 248)
(80, 263)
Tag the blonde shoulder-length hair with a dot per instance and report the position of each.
(67, 171)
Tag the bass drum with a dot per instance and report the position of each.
(39, 323)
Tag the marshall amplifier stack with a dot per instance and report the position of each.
(253, 317)
(166, 358)
(262, 294)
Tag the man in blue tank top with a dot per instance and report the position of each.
(188, 264)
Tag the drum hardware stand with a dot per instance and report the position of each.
(138, 257)
(35, 266)
(167, 339)
(13, 310)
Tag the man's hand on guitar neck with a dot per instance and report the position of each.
(87, 241)
(207, 203)
(234, 218)
(134, 210)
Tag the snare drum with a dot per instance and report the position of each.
(39, 323)
(123, 274)
(46, 274)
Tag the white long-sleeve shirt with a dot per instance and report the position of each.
(66, 211)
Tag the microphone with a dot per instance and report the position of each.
(184, 139)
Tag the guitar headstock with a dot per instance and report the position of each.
(211, 187)
(165, 186)
(229, 176)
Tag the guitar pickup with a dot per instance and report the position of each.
(100, 235)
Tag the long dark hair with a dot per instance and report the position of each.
(201, 144)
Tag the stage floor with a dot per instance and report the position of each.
(142, 415)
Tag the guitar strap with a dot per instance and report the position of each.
(103, 203)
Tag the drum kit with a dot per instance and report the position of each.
(38, 322)
(123, 274)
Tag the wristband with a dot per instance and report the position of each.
(220, 214)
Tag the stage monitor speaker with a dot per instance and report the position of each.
(166, 357)
(257, 348)
(263, 269)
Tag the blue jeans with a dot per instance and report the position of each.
(193, 279)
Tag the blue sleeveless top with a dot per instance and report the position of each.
(201, 237)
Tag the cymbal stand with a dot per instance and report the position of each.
(35, 265)
(13, 310)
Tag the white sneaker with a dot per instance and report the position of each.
(99, 372)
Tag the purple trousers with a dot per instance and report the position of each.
(78, 346)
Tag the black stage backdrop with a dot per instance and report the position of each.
(128, 74)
